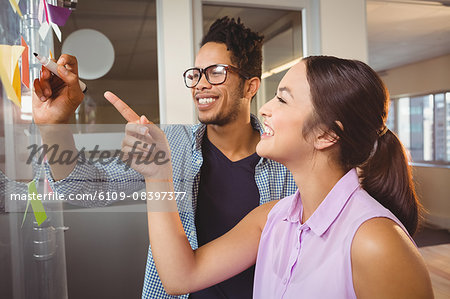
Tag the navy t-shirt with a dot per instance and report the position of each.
(227, 192)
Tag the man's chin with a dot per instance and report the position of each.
(211, 121)
(219, 119)
(207, 121)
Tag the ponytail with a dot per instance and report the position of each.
(387, 177)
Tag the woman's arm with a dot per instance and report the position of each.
(183, 270)
(386, 264)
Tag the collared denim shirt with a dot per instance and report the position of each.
(274, 181)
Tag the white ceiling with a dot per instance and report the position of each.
(399, 31)
(402, 32)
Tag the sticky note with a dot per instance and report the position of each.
(58, 15)
(36, 204)
(9, 71)
(16, 84)
(57, 31)
(15, 7)
(43, 30)
(41, 11)
(25, 64)
(54, 16)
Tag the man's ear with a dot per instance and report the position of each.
(325, 139)
(251, 87)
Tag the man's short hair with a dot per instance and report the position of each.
(244, 44)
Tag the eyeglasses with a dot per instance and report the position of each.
(215, 74)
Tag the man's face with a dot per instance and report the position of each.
(223, 103)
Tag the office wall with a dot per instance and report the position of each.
(175, 55)
(343, 28)
(425, 76)
(433, 189)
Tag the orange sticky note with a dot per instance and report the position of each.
(25, 64)
(9, 71)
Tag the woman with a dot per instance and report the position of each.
(334, 238)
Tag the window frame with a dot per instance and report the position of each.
(394, 102)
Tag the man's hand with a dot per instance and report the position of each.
(56, 99)
(145, 146)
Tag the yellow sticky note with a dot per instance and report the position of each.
(10, 72)
(16, 83)
(15, 6)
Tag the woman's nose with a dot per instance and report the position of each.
(265, 109)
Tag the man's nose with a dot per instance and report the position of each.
(203, 83)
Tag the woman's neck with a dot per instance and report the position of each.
(314, 182)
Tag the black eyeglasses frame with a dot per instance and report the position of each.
(204, 70)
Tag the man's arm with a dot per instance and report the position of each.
(54, 102)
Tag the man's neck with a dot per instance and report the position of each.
(236, 140)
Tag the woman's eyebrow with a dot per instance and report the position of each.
(286, 89)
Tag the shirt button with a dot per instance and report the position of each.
(192, 234)
(285, 281)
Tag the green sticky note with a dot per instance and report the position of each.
(36, 204)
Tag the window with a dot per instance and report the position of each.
(422, 123)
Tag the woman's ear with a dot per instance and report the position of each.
(325, 139)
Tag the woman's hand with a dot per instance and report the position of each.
(145, 147)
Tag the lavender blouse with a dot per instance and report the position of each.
(312, 260)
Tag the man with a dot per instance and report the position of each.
(214, 162)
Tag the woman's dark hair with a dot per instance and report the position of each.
(350, 99)
(244, 44)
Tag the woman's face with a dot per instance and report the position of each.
(284, 117)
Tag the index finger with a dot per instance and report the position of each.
(123, 108)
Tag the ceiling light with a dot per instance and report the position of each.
(280, 68)
(417, 2)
